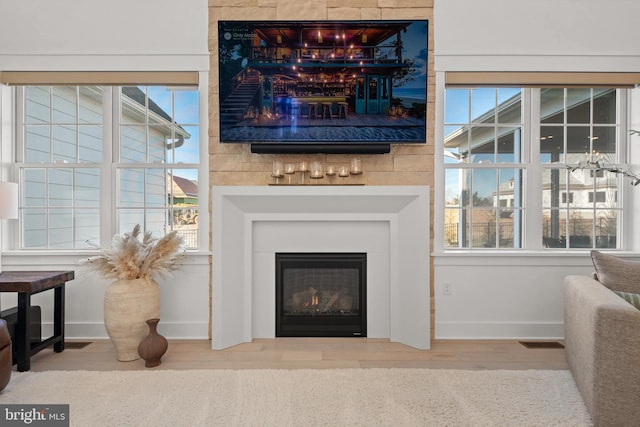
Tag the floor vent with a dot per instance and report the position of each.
(542, 344)
(76, 345)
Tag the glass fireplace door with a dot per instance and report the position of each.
(321, 294)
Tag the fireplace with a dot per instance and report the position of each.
(321, 294)
(388, 223)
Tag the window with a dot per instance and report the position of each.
(567, 197)
(94, 161)
(484, 168)
(578, 124)
(600, 197)
(503, 144)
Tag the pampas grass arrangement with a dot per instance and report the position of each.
(130, 257)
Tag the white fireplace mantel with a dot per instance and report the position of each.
(389, 223)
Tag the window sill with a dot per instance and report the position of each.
(524, 257)
(34, 258)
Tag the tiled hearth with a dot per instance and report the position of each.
(389, 223)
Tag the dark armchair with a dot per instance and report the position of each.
(5, 355)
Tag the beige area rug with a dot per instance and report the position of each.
(306, 397)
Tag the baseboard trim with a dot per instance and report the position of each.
(496, 330)
(84, 331)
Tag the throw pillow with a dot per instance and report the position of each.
(633, 299)
(616, 273)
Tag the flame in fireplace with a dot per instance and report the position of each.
(315, 300)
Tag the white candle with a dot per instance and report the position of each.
(344, 171)
(277, 169)
(303, 167)
(356, 167)
(289, 168)
(316, 170)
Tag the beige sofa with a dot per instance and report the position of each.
(602, 340)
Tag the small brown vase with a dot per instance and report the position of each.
(153, 347)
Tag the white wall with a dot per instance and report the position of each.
(503, 297)
(520, 295)
(550, 35)
(91, 35)
(184, 296)
(118, 35)
(492, 296)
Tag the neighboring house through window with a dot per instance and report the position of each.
(496, 140)
(93, 161)
(484, 168)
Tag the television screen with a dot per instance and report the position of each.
(327, 82)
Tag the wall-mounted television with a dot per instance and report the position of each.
(323, 86)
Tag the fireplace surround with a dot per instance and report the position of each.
(250, 224)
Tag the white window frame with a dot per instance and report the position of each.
(110, 164)
(622, 156)
(532, 203)
(524, 165)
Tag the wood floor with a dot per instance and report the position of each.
(300, 353)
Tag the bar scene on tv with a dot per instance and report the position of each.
(350, 81)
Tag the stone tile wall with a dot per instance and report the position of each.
(234, 164)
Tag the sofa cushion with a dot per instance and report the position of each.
(633, 299)
(616, 273)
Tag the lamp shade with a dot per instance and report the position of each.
(8, 200)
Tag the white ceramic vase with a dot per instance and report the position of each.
(128, 304)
